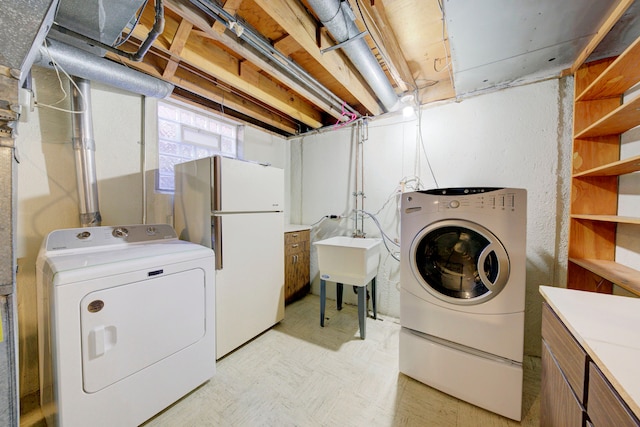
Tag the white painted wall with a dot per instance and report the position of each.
(47, 194)
(518, 137)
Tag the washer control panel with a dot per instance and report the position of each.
(475, 198)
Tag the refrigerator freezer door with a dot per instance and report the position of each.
(192, 201)
(247, 187)
(250, 286)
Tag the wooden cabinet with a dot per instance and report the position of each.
(296, 268)
(564, 365)
(605, 406)
(574, 392)
(600, 116)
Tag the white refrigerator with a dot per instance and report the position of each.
(236, 207)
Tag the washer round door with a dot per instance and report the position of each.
(459, 262)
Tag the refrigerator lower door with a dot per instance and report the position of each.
(250, 285)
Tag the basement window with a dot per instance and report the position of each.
(189, 133)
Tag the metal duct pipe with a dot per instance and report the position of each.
(78, 62)
(338, 17)
(264, 47)
(84, 147)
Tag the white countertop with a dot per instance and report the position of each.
(608, 328)
(296, 227)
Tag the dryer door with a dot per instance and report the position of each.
(459, 262)
(128, 328)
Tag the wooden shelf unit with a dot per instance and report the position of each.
(600, 116)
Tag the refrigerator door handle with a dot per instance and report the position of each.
(216, 237)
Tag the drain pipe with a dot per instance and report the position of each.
(339, 19)
(84, 147)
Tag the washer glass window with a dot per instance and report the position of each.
(460, 264)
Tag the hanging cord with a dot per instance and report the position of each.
(57, 68)
(385, 237)
(421, 142)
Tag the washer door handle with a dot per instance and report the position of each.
(500, 277)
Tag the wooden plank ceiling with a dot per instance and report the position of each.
(210, 65)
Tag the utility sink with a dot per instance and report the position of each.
(348, 260)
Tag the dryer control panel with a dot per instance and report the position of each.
(76, 238)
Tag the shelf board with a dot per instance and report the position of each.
(620, 275)
(623, 118)
(608, 218)
(620, 76)
(621, 167)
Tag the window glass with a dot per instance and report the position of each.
(189, 133)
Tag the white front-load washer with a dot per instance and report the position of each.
(126, 323)
(462, 293)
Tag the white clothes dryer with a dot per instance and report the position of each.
(462, 280)
(126, 323)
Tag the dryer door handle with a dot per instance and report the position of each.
(101, 339)
(97, 347)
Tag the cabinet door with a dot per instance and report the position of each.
(605, 408)
(296, 264)
(571, 357)
(559, 406)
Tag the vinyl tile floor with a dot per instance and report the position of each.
(299, 374)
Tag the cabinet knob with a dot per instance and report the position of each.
(295, 234)
(295, 246)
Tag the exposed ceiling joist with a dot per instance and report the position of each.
(263, 60)
(378, 26)
(218, 62)
(297, 22)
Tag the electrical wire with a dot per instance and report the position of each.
(420, 140)
(57, 69)
(319, 221)
(447, 65)
(385, 237)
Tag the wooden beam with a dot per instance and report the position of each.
(606, 26)
(230, 6)
(382, 33)
(203, 55)
(170, 69)
(287, 45)
(201, 21)
(180, 37)
(208, 89)
(296, 21)
(179, 40)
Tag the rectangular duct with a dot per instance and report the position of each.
(23, 27)
(99, 20)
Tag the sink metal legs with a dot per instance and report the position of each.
(362, 303)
